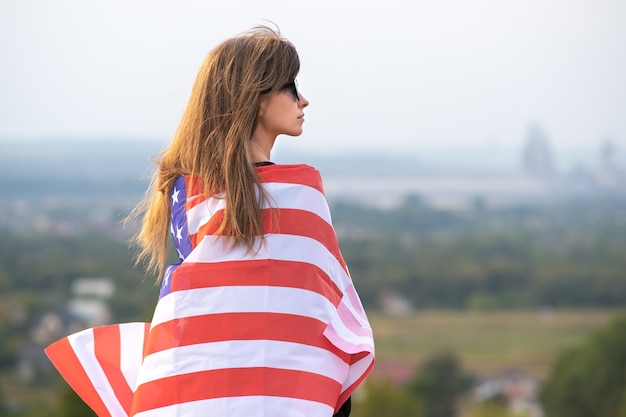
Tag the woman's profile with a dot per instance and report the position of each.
(260, 316)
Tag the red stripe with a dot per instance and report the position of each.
(146, 333)
(292, 174)
(236, 382)
(241, 326)
(107, 345)
(65, 360)
(264, 272)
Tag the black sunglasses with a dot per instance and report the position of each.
(293, 87)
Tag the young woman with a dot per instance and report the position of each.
(260, 316)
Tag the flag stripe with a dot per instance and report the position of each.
(240, 326)
(108, 356)
(243, 406)
(243, 354)
(235, 273)
(293, 174)
(235, 383)
(133, 337)
(62, 355)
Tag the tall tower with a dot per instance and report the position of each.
(610, 172)
(608, 161)
(537, 156)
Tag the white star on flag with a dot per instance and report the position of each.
(175, 196)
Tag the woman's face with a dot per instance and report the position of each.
(281, 113)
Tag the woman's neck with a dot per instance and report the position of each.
(260, 152)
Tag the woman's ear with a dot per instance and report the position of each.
(262, 104)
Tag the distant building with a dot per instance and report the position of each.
(394, 304)
(519, 391)
(89, 301)
(607, 156)
(537, 156)
(609, 172)
(94, 287)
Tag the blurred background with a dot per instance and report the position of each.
(473, 153)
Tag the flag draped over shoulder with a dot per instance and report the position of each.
(277, 332)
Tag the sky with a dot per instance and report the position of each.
(396, 77)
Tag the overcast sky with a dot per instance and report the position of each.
(397, 76)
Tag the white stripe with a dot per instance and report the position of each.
(212, 249)
(298, 196)
(357, 370)
(243, 354)
(283, 195)
(242, 299)
(131, 340)
(83, 346)
(260, 406)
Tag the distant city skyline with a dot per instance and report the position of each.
(400, 78)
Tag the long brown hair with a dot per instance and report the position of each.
(211, 141)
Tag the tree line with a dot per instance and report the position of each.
(563, 254)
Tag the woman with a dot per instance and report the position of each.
(259, 317)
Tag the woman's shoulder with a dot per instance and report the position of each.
(291, 173)
(287, 170)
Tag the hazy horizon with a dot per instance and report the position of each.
(461, 159)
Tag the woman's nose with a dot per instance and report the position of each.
(302, 101)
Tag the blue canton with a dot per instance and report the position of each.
(178, 230)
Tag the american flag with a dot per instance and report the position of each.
(277, 332)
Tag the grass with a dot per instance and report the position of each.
(485, 342)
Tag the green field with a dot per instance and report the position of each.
(485, 342)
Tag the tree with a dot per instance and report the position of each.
(439, 384)
(383, 399)
(590, 380)
(491, 409)
(72, 405)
